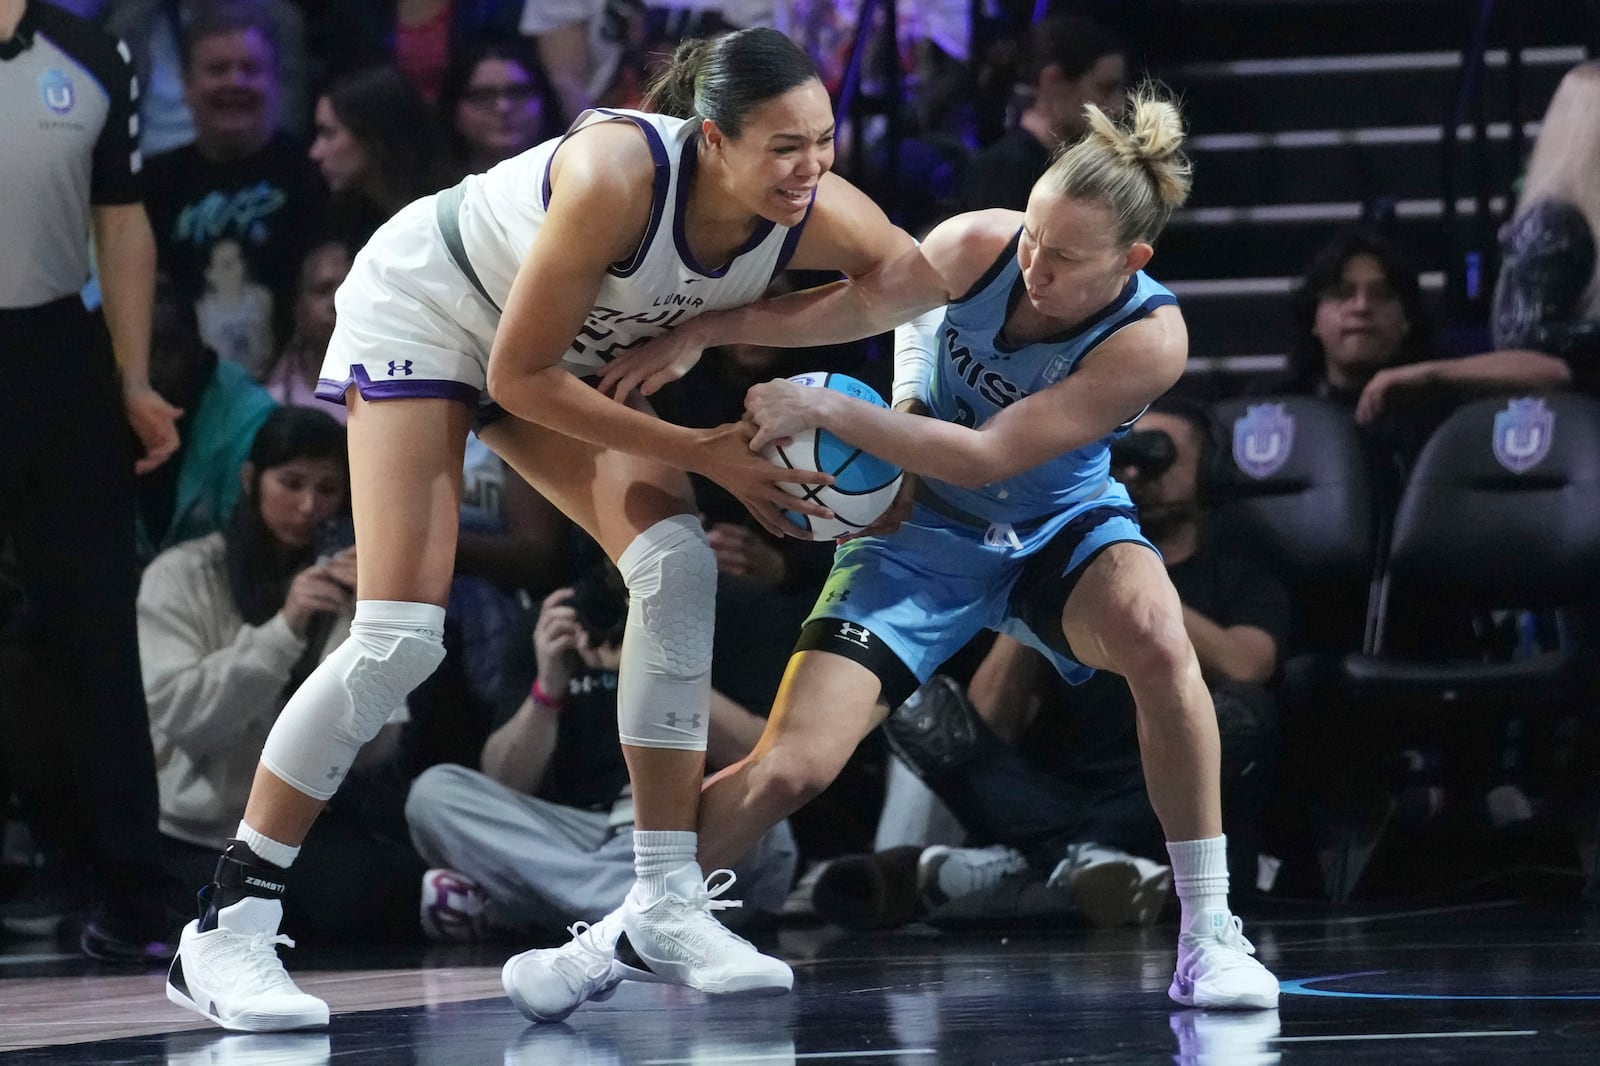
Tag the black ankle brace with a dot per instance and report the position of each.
(240, 873)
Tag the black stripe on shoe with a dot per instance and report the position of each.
(627, 956)
(175, 977)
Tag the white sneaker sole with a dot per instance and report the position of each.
(253, 1021)
(664, 971)
(737, 985)
(1245, 1001)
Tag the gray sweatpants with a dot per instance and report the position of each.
(544, 865)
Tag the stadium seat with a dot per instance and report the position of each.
(1291, 486)
(1500, 516)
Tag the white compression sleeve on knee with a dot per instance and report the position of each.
(392, 648)
(664, 682)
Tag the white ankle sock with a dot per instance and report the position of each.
(657, 853)
(1200, 876)
(265, 848)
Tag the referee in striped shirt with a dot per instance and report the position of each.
(75, 381)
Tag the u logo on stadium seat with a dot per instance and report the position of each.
(1522, 434)
(1263, 437)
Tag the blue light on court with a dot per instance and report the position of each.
(1301, 986)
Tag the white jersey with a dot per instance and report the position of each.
(644, 296)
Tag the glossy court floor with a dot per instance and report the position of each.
(1474, 983)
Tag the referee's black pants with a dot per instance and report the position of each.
(78, 739)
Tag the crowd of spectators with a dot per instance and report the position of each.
(278, 135)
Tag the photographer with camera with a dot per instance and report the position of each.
(541, 837)
(229, 624)
(1062, 792)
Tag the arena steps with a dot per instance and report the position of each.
(1302, 112)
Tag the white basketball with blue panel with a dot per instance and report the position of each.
(863, 485)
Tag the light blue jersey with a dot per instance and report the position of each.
(977, 375)
(1005, 556)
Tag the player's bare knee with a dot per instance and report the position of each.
(1151, 644)
(787, 780)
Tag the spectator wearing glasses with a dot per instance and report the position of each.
(495, 103)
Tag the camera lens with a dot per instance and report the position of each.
(1151, 452)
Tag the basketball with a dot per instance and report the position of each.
(863, 485)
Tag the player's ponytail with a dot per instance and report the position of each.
(1135, 166)
(724, 78)
(671, 90)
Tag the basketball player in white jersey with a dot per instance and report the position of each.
(482, 307)
(1052, 340)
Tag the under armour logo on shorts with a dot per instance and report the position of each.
(1001, 535)
(399, 366)
(675, 721)
(855, 634)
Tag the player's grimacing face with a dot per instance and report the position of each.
(785, 147)
(1072, 260)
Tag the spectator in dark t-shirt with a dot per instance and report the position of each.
(232, 211)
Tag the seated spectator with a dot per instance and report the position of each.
(1359, 312)
(229, 624)
(243, 180)
(153, 31)
(1069, 62)
(541, 837)
(495, 103)
(193, 494)
(378, 147)
(291, 379)
(1546, 319)
(1056, 795)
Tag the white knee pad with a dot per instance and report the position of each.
(392, 648)
(664, 684)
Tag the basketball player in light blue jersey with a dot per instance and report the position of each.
(1049, 340)
(482, 308)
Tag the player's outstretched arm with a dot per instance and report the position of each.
(1113, 384)
(918, 279)
(845, 232)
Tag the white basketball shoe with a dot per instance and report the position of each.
(1216, 969)
(675, 939)
(232, 974)
(547, 984)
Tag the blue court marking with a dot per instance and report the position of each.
(1302, 987)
